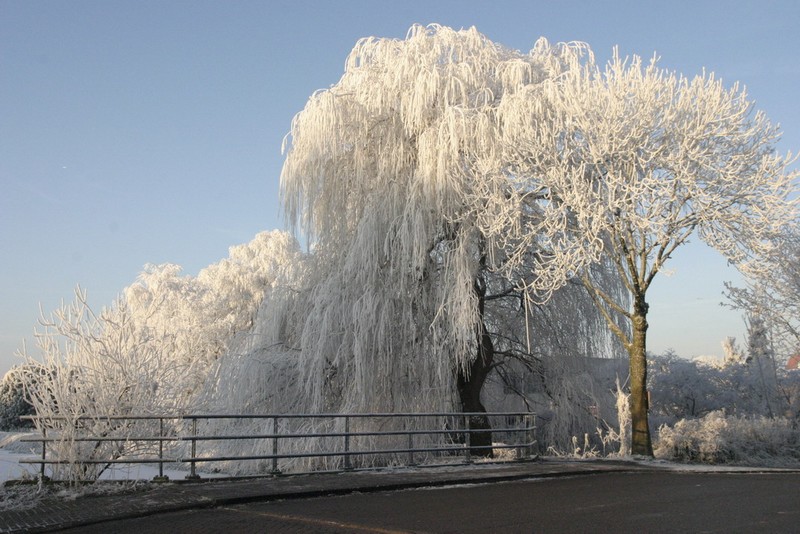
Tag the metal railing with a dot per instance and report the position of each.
(178, 440)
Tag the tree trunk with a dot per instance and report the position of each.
(470, 384)
(470, 381)
(641, 443)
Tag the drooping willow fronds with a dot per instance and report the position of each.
(394, 175)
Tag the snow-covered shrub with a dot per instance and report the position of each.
(201, 316)
(728, 411)
(148, 354)
(681, 388)
(718, 438)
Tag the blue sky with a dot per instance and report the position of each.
(150, 131)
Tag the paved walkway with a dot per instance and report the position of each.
(53, 513)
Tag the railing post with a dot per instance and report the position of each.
(192, 469)
(347, 465)
(411, 447)
(522, 446)
(275, 470)
(467, 441)
(44, 454)
(160, 477)
(161, 448)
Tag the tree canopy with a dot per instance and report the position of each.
(630, 161)
(395, 174)
(537, 166)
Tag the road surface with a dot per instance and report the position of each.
(605, 502)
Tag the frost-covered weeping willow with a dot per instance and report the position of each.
(392, 176)
(395, 177)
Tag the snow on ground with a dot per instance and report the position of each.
(12, 450)
(715, 468)
(11, 469)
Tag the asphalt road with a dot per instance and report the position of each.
(606, 502)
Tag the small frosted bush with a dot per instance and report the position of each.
(719, 439)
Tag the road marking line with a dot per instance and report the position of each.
(319, 522)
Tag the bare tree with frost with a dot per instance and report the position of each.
(628, 163)
(773, 293)
(762, 358)
(147, 354)
(96, 365)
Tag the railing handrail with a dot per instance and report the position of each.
(231, 437)
(191, 416)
